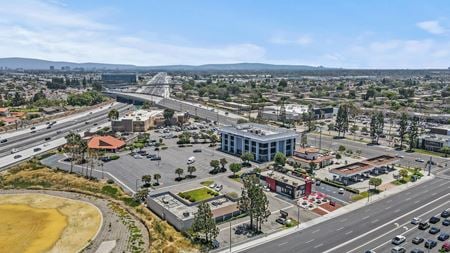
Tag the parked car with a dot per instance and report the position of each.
(416, 220)
(445, 214)
(434, 220)
(399, 239)
(443, 236)
(429, 244)
(434, 230)
(197, 150)
(155, 158)
(417, 251)
(420, 160)
(446, 222)
(282, 221)
(37, 149)
(446, 246)
(398, 249)
(418, 240)
(424, 225)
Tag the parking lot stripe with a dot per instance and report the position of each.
(349, 232)
(284, 243)
(310, 241)
(339, 229)
(318, 246)
(315, 231)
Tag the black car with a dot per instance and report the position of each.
(48, 138)
(17, 156)
(418, 240)
(417, 251)
(49, 126)
(443, 237)
(151, 155)
(3, 140)
(37, 149)
(155, 158)
(197, 150)
(434, 230)
(446, 222)
(215, 244)
(445, 214)
(429, 244)
(434, 220)
(424, 225)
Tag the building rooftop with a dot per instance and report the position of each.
(280, 177)
(259, 132)
(364, 166)
(105, 142)
(140, 115)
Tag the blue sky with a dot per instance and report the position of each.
(346, 33)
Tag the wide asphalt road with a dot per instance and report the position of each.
(28, 139)
(351, 232)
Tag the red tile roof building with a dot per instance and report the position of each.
(105, 143)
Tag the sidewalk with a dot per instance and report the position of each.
(338, 212)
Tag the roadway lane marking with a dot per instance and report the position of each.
(387, 208)
(407, 193)
(397, 226)
(349, 232)
(318, 245)
(444, 183)
(398, 210)
(315, 231)
(374, 221)
(310, 241)
(365, 218)
(384, 225)
(344, 220)
(339, 229)
(416, 202)
(434, 194)
(284, 243)
(408, 199)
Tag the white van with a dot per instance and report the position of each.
(191, 160)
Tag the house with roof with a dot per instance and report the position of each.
(106, 143)
(303, 156)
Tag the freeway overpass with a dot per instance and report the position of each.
(201, 111)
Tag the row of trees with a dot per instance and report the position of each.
(147, 179)
(408, 130)
(80, 153)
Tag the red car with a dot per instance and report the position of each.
(446, 246)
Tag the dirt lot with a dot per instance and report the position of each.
(44, 223)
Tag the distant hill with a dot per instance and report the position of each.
(37, 64)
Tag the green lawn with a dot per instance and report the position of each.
(427, 152)
(198, 194)
(207, 183)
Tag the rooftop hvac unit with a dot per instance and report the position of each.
(186, 214)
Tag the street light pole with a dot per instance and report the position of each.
(298, 215)
(230, 235)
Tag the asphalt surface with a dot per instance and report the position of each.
(409, 159)
(29, 139)
(356, 230)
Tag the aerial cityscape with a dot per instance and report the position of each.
(224, 126)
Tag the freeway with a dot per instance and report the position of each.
(29, 139)
(359, 230)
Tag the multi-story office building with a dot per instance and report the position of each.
(138, 121)
(436, 139)
(261, 140)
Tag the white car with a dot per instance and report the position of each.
(399, 239)
(416, 220)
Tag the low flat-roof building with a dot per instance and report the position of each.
(291, 186)
(436, 139)
(295, 112)
(357, 170)
(137, 121)
(180, 213)
(305, 155)
(261, 140)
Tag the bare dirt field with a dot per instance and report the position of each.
(43, 223)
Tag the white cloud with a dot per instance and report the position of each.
(46, 30)
(432, 26)
(302, 40)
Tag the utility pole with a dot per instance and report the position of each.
(298, 215)
(429, 166)
(320, 138)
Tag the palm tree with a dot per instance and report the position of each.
(73, 141)
(157, 177)
(180, 172)
(113, 114)
(82, 149)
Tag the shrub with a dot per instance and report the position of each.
(338, 156)
(341, 148)
(114, 157)
(110, 181)
(164, 148)
(109, 190)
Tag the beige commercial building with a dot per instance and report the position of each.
(137, 121)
